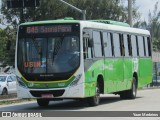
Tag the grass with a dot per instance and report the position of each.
(13, 101)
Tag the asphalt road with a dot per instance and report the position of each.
(147, 100)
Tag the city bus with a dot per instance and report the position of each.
(77, 59)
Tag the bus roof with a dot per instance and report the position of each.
(97, 24)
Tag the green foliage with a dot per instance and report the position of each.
(7, 56)
(154, 27)
(54, 9)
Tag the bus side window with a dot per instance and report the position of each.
(146, 45)
(137, 46)
(134, 45)
(141, 46)
(149, 46)
(116, 45)
(97, 44)
(107, 44)
(126, 45)
(87, 49)
(129, 45)
(122, 48)
(112, 45)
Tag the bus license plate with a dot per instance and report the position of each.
(47, 96)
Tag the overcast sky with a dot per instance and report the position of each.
(145, 6)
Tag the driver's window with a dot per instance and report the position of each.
(87, 50)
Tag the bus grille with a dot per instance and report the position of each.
(55, 93)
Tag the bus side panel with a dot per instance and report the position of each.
(145, 71)
(113, 75)
(128, 73)
(109, 86)
(91, 75)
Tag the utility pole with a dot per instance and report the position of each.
(75, 8)
(130, 12)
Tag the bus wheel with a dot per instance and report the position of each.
(42, 102)
(94, 101)
(131, 94)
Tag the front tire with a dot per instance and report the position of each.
(42, 102)
(5, 91)
(94, 101)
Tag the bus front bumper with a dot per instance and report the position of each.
(68, 92)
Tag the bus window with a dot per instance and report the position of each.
(134, 46)
(149, 46)
(126, 45)
(112, 45)
(137, 46)
(87, 50)
(122, 48)
(97, 44)
(107, 44)
(141, 46)
(116, 45)
(146, 45)
(129, 45)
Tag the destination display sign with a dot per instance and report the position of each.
(48, 29)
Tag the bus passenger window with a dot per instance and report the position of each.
(137, 46)
(87, 50)
(134, 45)
(122, 48)
(116, 45)
(126, 45)
(111, 36)
(149, 46)
(141, 46)
(107, 44)
(129, 45)
(97, 44)
(146, 45)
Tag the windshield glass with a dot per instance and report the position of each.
(2, 78)
(48, 52)
(49, 55)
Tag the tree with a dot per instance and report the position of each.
(54, 9)
(154, 27)
(7, 56)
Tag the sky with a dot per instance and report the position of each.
(145, 6)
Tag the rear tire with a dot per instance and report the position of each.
(130, 94)
(5, 91)
(94, 101)
(133, 91)
(42, 102)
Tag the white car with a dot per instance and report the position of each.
(7, 84)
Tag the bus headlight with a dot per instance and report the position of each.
(20, 82)
(76, 79)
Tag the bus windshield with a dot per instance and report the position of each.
(47, 55)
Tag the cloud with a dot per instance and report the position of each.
(145, 6)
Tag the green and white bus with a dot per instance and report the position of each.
(74, 59)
